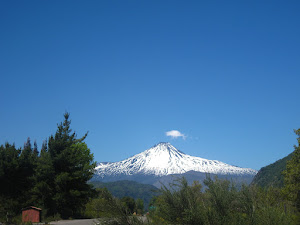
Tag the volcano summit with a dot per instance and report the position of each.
(162, 160)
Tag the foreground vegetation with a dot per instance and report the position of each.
(220, 203)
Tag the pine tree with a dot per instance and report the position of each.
(70, 165)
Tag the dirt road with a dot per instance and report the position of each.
(87, 221)
(75, 222)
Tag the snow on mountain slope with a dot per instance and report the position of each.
(164, 159)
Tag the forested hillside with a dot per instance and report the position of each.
(271, 175)
(128, 188)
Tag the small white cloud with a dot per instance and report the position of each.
(175, 134)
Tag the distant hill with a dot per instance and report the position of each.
(132, 189)
(271, 175)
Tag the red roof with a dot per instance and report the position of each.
(31, 207)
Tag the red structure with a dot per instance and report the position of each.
(31, 214)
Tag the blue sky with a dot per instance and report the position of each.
(225, 74)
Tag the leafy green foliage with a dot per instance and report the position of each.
(104, 205)
(98, 207)
(180, 204)
(220, 203)
(129, 204)
(139, 206)
(222, 195)
(112, 210)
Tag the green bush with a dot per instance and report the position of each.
(221, 203)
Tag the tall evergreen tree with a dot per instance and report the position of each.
(70, 166)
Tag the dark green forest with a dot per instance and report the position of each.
(57, 178)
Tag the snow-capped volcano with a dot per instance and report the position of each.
(164, 159)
